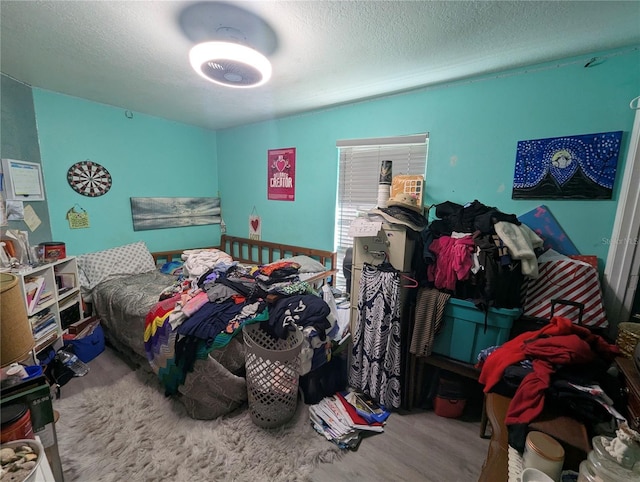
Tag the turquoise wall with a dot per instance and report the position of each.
(474, 127)
(146, 157)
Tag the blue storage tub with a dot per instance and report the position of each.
(462, 335)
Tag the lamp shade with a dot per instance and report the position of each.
(230, 64)
(16, 338)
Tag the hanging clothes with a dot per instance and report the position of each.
(430, 306)
(376, 355)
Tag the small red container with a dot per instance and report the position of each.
(449, 408)
(53, 250)
(16, 423)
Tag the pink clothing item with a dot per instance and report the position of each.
(453, 261)
(195, 303)
(462, 251)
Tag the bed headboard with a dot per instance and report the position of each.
(252, 251)
(161, 257)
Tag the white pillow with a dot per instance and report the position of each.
(127, 260)
(307, 264)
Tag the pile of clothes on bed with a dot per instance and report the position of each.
(215, 297)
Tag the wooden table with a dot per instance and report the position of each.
(496, 465)
(571, 434)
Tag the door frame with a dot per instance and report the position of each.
(623, 259)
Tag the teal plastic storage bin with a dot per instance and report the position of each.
(462, 335)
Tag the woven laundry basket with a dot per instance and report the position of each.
(628, 337)
(272, 371)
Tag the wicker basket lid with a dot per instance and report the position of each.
(628, 337)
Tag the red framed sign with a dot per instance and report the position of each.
(281, 174)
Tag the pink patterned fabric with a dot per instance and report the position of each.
(453, 261)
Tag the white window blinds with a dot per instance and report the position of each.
(359, 175)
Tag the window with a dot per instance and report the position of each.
(358, 179)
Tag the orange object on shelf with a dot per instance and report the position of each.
(9, 247)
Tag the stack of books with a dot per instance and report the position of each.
(345, 417)
(45, 296)
(43, 325)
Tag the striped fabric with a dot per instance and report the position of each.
(430, 307)
(566, 280)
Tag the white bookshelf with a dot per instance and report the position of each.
(61, 281)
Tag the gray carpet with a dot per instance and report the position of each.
(130, 431)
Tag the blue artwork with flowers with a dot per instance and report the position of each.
(570, 167)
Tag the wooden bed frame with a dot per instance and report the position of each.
(252, 251)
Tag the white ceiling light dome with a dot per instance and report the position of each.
(230, 64)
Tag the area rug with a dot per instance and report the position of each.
(131, 431)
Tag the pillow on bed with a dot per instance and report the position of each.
(127, 260)
(307, 264)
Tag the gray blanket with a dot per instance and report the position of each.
(213, 388)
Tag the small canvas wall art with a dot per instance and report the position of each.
(570, 167)
(255, 225)
(281, 174)
(174, 212)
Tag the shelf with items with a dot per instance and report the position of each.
(38, 292)
(52, 297)
(44, 326)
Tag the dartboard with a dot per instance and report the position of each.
(89, 178)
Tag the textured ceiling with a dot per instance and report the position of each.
(134, 54)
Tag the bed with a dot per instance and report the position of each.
(123, 287)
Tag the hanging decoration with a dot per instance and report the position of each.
(78, 219)
(255, 225)
(89, 178)
(281, 170)
(570, 167)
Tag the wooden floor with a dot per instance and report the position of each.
(417, 446)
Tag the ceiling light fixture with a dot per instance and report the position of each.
(230, 64)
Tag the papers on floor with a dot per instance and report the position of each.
(344, 423)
